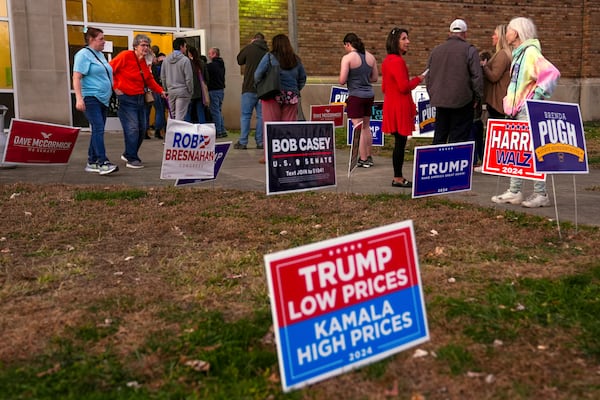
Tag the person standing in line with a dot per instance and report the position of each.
(92, 83)
(216, 89)
(131, 79)
(358, 69)
(160, 121)
(292, 78)
(399, 109)
(532, 77)
(196, 112)
(177, 78)
(477, 127)
(496, 74)
(454, 84)
(249, 57)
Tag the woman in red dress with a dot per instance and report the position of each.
(399, 109)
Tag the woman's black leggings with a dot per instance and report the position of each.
(398, 154)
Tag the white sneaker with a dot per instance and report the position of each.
(93, 167)
(508, 197)
(536, 200)
(478, 169)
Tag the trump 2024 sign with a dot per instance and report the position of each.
(345, 302)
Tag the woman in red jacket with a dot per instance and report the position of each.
(399, 109)
(132, 78)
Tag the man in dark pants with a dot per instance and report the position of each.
(455, 85)
(216, 89)
(250, 56)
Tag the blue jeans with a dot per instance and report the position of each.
(96, 113)
(250, 101)
(195, 112)
(216, 102)
(159, 113)
(133, 115)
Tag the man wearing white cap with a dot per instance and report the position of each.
(455, 85)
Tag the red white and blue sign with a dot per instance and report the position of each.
(443, 168)
(344, 303)
(558, 137)
(508, 150)
(221, 149)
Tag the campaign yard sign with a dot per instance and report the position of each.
(221, 150)
(425, 118)
(375, 124)
(442, 168)
(189, 151)
(558, 137)
(32, 142)
(338, 95)
(300, 156)
(376, 132)
(508, 150)
(344, 303)
(328, 112)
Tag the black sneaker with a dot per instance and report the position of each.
(363, 163)
(240, 146)
(260, 146)
(370, 161)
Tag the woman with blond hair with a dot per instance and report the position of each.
(496, 73)
(532, 77)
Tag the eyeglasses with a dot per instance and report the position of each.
(144, 45)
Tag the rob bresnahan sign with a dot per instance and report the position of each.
(345, 302)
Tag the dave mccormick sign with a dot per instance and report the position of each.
(346, 302)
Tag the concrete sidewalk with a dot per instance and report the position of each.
(577, 196)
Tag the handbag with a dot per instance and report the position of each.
(148, 96)
(204, 87)
(113, 103)
(269, 86)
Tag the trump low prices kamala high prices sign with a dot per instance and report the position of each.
(345, 302)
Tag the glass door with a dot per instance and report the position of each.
(116, 41)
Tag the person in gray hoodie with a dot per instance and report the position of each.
(177, 79)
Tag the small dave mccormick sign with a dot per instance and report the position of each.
(345, 302)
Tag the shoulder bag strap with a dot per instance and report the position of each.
(101, 63)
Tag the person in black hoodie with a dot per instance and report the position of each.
(216, 89)
(250, 56)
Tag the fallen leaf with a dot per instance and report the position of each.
(498, 343)
(28, 214)
(134, 384)
(439, 251)
(490, 378)
(12, 196)
(198, 365)
(129, 258)
(471, 374)
(282, 233)
(420, 353)
(433, 232)
(451, 280)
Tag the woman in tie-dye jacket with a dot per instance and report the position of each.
(532, 77)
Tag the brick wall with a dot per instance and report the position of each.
(568, 30)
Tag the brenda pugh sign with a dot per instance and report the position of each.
(189, 151)
(31, 142)
(508, 150)
(558, 137)
(345, 302)
(300, 156)
(441, 169)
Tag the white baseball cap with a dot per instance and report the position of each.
(458, 25)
